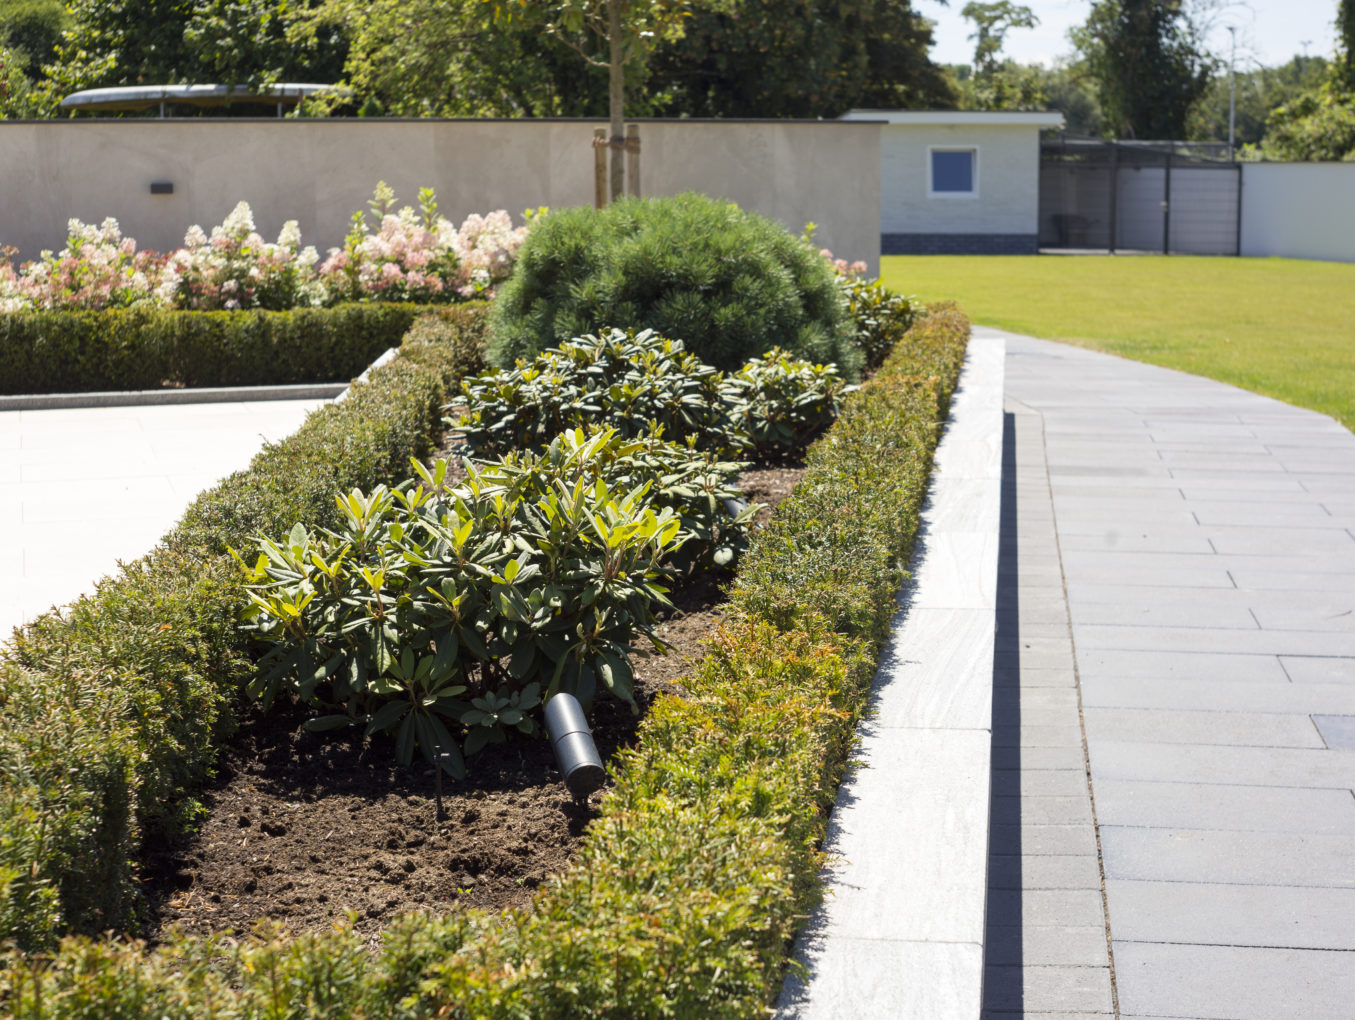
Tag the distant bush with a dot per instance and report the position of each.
(880, 316)
(728, 283)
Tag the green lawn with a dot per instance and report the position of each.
(1281, 327)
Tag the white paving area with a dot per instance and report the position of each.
(901, 933)
(82, 489)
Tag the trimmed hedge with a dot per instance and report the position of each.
(150, 348)
(689, 886)
(112, 710)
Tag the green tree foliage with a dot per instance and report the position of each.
(1259, 92)
(33, 28)
(158, 42)
(1320, 123)
(799, 58)
(994, 83)
(1148, 64)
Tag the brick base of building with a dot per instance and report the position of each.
(959, 244)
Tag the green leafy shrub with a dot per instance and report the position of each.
(145, 348)
(111, 711)
(881, 317)
(688, 888)
(784, 402)
(447, 604)
(728, 283)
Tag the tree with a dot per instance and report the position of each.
(1320, 123)
(998, 84)
(1259, 91)
(166, 42)
(798, 58)
(1148, 64)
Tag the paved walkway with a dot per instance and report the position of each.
(81, 489)
(1173, 822)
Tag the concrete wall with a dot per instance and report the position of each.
(1007, 174)
(1299, 210)
(318, 172)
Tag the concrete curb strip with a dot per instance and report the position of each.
(901, 932)
(146, 398)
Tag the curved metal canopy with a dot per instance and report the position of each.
(124, 98)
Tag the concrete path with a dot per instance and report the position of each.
(81, 489)
(1174, 699)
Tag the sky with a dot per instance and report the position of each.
(1269, 32)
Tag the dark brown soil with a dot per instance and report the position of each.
(302, 827)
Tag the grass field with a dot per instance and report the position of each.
(1281, 327)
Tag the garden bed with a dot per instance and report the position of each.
(302, 828)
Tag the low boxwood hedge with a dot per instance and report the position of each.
(150, 348)
(689, 886)
(111, 710)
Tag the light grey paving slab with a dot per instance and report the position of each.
(1178, 607)
(971, 506)
(1312, 669)
(1044, 871)
(1232, 982)
(1191, 639)
(1201, 695)
(1164, 726)
(942, 675)
(1045, 988)
(863, 978)
(1230, 915)
(1281, 541)
(1228, 857)
(1242, 766)
(1257, 514)
(956, 571)
(1137, 541)
(1168, 805)
(1273, 574)
(1153, 574)
(1125, 664)
(1334, 612)
(1066, 945)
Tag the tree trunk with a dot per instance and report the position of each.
(616, 97)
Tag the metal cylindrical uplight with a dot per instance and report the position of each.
(575, 752)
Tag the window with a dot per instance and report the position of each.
(953, 173)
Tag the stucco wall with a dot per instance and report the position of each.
(1007, 174)
(1299, 210)
(319, 172)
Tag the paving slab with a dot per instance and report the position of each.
(1230, 857)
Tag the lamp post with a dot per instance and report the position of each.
(1232, 91)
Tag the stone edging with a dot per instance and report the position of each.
(901, 930)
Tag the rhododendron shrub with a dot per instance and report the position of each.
(417, 257)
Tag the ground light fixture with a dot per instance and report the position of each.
(575, 753)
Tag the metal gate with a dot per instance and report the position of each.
(1170, 197)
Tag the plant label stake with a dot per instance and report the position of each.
(438, 759)
(572, 740)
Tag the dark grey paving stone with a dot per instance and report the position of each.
(1068, 758)
(1232, 982)
(1036, 782)
(1190, 694)
(1215, 806)
(1069, 735)
(1061, 840)
(1044, 871)
(1131, 539)
(1247, 858)
(1059, 945)
(1337, 730)
(1190, 608)
(1042, 810)
(1060, 907)
(1040, 989)
(1195, 639)
(1165, 726)
(1231, 915)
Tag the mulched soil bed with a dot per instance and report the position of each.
(302, 827)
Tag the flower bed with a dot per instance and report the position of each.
(690, 884)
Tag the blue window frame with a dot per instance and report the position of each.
(952, 171)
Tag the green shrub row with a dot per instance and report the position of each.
(150, 348)
(689, 886)
(111, 710)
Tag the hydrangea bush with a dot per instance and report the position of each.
(411, 256)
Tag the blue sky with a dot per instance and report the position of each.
(1269, 32)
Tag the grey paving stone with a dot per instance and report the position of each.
(1194, 694)
(861, 978)
(1179, 607)
(1045, 839)
(1030, 676)
(1038, 653)
(1278, 541)
(1199, 639)
(1067, 758)
(1250, 729)
(1036, 699)
(1065, 945)
(1230, 915)
(1312, 669)
(1259, 514)
(1231, 857)
(1199, 495)
(1042, 810)
(1276, 574)
(937, 672)
(1044, 871)
(1077, 908)
(1232, 982)
(1337, 730)
(1039, 989)
(1128, 538)
(1063, 735)
(1035, 782)
(1167, 805)
(1338, 613)
(956, 570)
(1153, 574)
(1119, 663)
(1248, 766)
